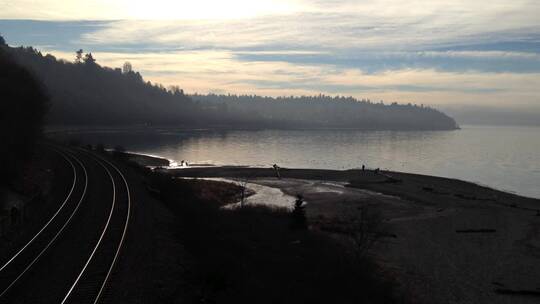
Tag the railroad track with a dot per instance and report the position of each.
(82, 271)
(23, 260)
(90, 285)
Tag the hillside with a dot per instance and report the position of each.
(84, 93)
(327, 112)
(22, 108)
(87, 94)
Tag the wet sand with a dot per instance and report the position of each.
(445, 240)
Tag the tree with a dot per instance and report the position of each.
(50, 58)
(78, 56)
(299, 220)
(22, 110)
(110, 97)
(127, 68)
(176, 90)
(89, 59)
(363, 230)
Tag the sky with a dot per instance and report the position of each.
(439, 53)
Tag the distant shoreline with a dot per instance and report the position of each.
(406, 185)
(52, 129)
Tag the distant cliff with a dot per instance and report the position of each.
(85, 93)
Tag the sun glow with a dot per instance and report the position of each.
(146, 10)
(207, 9)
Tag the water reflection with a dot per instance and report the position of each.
(507, 158)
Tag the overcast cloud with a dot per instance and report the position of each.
(429, 52)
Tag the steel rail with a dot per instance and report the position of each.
(54, 215)
(124, 233)
(57, 234)
(104, 231)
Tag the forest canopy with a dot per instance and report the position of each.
(85, 93)
(23, 106)
(324, 111)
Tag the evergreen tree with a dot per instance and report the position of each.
(299, 220)
(89, 59)
(127, 68)
(79, 56)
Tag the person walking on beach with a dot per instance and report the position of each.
(276, 168)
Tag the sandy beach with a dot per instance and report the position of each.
(446, 240)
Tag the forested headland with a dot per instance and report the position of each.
(84, 93)
(324, 111)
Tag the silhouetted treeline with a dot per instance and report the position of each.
(84, 93)
(326, 112)
(22, 109)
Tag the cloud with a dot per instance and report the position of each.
(262, 40)
(421, 51)
(322, 31)
(142, 9)
(60, 35)
(220, 71)
(373, 62)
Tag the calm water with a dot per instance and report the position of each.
(506, 158)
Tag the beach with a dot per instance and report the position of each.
(445, 240)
